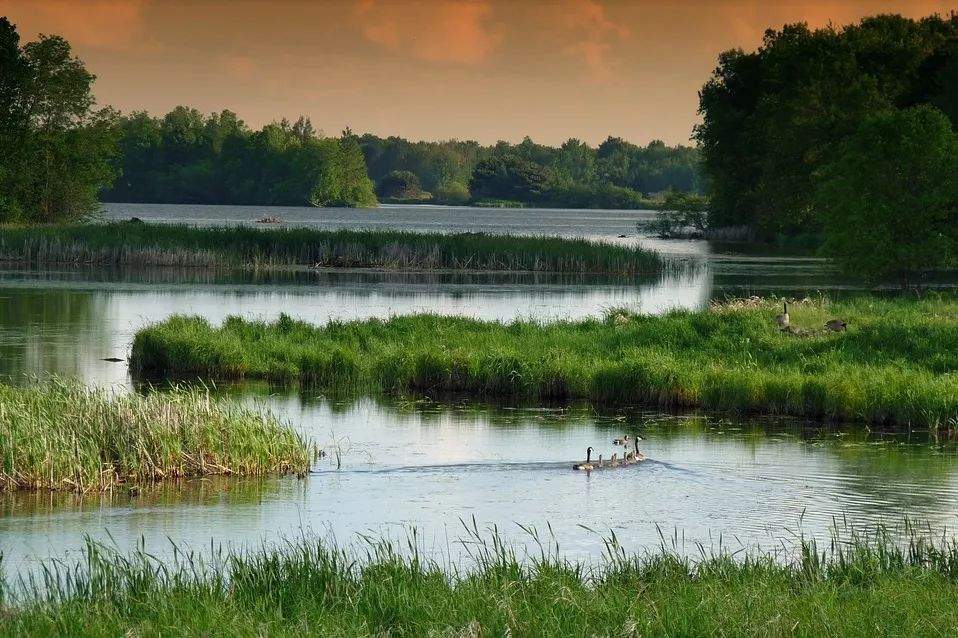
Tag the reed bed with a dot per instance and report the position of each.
(897, 364)
(866, 586)
(61, 435)
(125, 243)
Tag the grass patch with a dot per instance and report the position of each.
(61, 435)
(125, 243)
(897, 364)
(863, 588)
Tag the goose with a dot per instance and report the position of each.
(614, 462)
(588, 462)
(637, 455)
(836, 325)
(782, 319)
(621, 440)
(600, 461)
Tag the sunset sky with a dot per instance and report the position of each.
(483, 69)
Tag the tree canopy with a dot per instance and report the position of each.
(889, 197)
(54, 146)
(188, 158)
(772, 118)
(616, 174)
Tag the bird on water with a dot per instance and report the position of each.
(588, 461)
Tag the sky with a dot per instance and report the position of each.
(435, 69)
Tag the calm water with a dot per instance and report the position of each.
(429, 465)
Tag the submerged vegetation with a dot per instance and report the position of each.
(60, 435)
(126, 243)
(897, 363)
(864, 585)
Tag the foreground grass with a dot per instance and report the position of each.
(125, 243)
(866, 587)
(58, 435)
(896, 364)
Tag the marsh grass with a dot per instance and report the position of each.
(863, 585)
(61, 435)
(897, 364)
(124, 243)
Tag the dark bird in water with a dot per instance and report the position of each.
(588, 461)
(635, 455)
(782, 319)
(113, 359)
(836, 325)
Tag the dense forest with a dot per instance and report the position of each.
(188, 158)
(616, 174)
(775, 118)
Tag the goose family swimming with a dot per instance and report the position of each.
(627, 458)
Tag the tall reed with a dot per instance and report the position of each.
(126, 243)
(864, 586)
(61, 435)
(896, 364)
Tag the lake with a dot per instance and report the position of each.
(425, 465)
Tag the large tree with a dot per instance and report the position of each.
(773, 117)
(54, 147)
(889, 197)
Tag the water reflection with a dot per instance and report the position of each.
(68, 321)
(428, 465)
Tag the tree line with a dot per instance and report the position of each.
(615, 174)
(185, 157)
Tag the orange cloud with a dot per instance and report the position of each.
(461, 32)
(593, 36)
(104, 24)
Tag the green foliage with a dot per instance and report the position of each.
(54, 147)
(889, 197)
(681, 214)
(507, 177)
(896, 364)
(774, 117)
(188, 246)
(61, 435)
(186, 158)
(858, 584)
(615, 175)
(400, 185)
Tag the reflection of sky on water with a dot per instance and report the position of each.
(430, 466)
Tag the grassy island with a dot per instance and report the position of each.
(128, 243)
(60, 435)
(896, 364)
(306, 588)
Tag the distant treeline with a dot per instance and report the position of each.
(774, 119)
(616, 174)
(188, 158)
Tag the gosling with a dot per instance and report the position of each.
(782, 319)
(587, 466)
(836, 325)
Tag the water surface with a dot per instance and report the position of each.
(427, 465)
